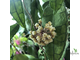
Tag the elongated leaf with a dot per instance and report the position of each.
(56, 4)
(16, 10)
(13, 30)
(39, 8)
(33, 6)
(55, 49)
(20, 57)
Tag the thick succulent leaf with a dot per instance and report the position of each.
(67, 3)
(20, 57)
(13, 30)
(56, 4)
(16, 10)
(55, 49)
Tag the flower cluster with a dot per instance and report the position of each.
(43, 36)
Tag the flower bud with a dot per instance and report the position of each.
(49, 23)
(33, 32)
(31, 36)
(48, 36)
(42, 43)
(40, 21)
(53, 34)
(38, 38)
(36, 25)
(50, 40)
(46, 42)
(44, 34)
(40, 28)
(30, 32)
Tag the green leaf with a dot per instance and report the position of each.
(13, 29)
(45, 0)
(39, 8)
(56, 4)
(16, 10)
(45, 4)
(31, 48)
(33, 6)
(20, 57)
(34, 11)
(55, 49)
(30, 56)
(24, 39)
(47, 15)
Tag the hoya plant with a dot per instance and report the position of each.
(42, 31)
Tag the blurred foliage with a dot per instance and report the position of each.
(52, 10)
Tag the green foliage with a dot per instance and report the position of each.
(24, 57)
(56, 4)
(20, 57)
(52, 10)
(16, 10)
(13, 29)
(45, 0)
(55, 49)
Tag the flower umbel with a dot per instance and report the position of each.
(43, 35)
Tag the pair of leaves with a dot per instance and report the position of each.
(16, 10)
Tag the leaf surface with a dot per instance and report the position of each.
(56, 4)
(20, 57)
(16, 10)
(13, 30)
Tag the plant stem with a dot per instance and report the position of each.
(22, 49)
(15, 47)
(29, 16)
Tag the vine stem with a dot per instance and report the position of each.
(15, 47)
(29, 16)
